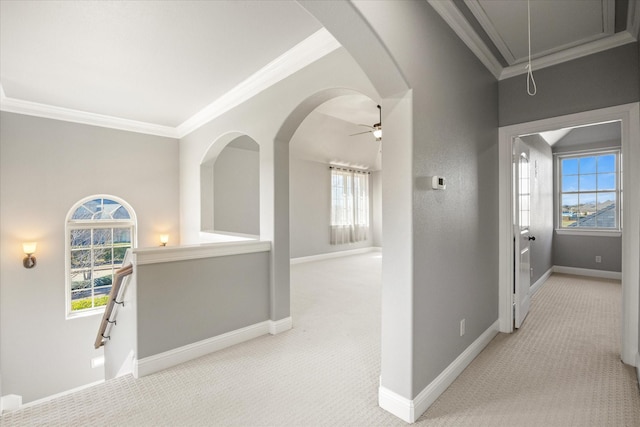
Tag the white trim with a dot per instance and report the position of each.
(638, 367)
(48, 398)
(314, 47)
(484, 21)
(19, 106)
(278, 326)
(587, 232)
(176, 356)
(602, 274)
(10, 402)
(330, 255)
(209, 250)
(570, 54)
(456, 20)
(410, 410)
(452, 16)
(629, 116)
(541, 281)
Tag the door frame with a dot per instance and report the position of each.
(629, 116)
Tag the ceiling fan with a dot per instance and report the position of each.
(376, 129)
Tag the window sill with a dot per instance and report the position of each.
(88, 313)
(594, 233)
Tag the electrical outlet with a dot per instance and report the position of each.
(598, 258)
(462, 327)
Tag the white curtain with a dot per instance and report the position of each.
(349, 206)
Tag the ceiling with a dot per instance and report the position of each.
(167, 67)
(497, 31)
(151, 62)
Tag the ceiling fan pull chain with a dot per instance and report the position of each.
(531, 82)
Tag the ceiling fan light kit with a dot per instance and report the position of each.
(376, 129)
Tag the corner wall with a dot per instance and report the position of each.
(45, 167)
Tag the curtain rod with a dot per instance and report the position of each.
(350, 170)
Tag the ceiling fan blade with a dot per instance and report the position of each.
(367, 126)
(360, 133)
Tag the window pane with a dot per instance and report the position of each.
(569, 166)
(82, 213)
(587, 165)
(121, 235)
(606, 216)
(570, 183)
(80, 238)
(101, 257)
(121, 213)
(587, 205)
(80, 280)
(607, 163)
(606, 181)
(81, 258)
(102, 236)
(569, 209)
(118, 255)
(588, 182)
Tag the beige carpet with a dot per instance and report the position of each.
(561, 369)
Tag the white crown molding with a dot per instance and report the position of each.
(12, 105)
(452, 16)
(477, 11)
(304, 53)
(576, 52)
(309, 50)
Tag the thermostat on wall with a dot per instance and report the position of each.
(438, 183)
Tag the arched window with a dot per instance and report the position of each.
(99, 230)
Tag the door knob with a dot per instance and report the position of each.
(532, 238)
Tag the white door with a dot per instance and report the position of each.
(522, 237)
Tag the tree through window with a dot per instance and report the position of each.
(99, 231)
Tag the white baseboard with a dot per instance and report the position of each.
(168, 359)
(410, 410)
(12, 402)
(279, 326)
(536, 286)
(338, 254)
(638, 367)
(602, 274)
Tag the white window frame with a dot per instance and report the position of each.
(589, 231)
(92, 224)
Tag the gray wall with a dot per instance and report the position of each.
(455, 121)
(213, 295)
(46, 166)
(236, 191)
(596, 81)
(541, 205)
(310, 210)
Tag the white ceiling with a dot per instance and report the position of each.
(156, 62)
(325, 135)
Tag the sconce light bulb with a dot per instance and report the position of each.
(29, 248)
(164, 239)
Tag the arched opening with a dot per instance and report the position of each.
(335, 166)
(230, 188)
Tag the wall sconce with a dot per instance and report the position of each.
(29, 248)
(164, 239)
